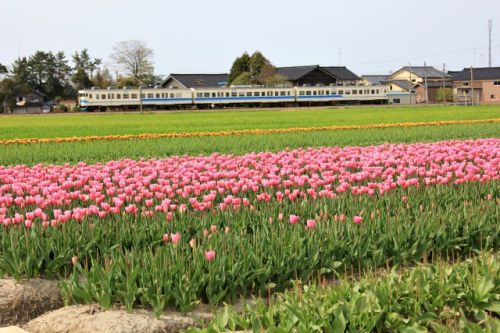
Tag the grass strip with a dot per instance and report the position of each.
(147, 136)
(102, 151)
(442, 297)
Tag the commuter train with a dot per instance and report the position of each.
(162, 98)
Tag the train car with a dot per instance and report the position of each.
(104, 99)
(241, 95)
(160, 98)
(341, 94)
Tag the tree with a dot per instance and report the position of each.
(256, 63)
(244, 78)
(81, 79)
(3, 70)
(269, 77)
(103, 78)
(240, 65)
(84, 62)
(133, 58)
(441, 94)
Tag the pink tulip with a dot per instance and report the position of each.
(213, 228)
(28, 224)
(357, 219)
(210, 255)
(166, 238)
(74, 260)
(294, 219)
(175, 237)
(311, 224)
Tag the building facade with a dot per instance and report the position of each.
(477, 85)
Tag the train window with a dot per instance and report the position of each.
(199, 95)
(263, 93)
(256, 94)
(143, 96)
(103, 96)
(151, 95)
(341, 92)
(276, 93)
(97, 96)
(109, 96)
(206, 94)
(301, 93)
(347, 92)
(125, 96)
(214, 95)
(171, 95)
(354, 92)
(134, 96)
(241, 94)
(315, 92)
(308, 93)
(157, 95)
(233, 94)
(334, 92)
(90, 95)
(282, 93)
(378, 91)
(118, 96)
(288, 93)
(249, 93)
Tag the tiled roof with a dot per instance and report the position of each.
(483, 73)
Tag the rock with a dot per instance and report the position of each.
(93, 319)
(21, 302)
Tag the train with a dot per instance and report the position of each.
(167, 98)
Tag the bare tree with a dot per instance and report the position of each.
(134, 59)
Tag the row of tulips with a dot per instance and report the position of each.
(201, 256)
(464, 297)
(243, 132)
(170, 187)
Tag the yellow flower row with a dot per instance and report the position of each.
(241, 132)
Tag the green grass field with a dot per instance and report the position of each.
(102, 151)
(67, 125)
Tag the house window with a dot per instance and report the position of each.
(492, 96)
(496, 83)
(465, 84)
(396, 101)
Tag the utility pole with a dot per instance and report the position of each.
(490, 28)
(425, 82)
(472, 85)
(444, 84)
(409, 81)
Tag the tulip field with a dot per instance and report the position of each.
(389, 228)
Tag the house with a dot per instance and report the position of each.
(184, 81)
(316, 75)
(424, 81)
(484, 82)
(373, 80)
(32, 102)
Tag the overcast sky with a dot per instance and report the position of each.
(374, 36)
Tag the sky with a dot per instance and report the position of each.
(205, 36)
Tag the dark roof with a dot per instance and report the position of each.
(375, 79)
(401, 83)
(341, 72)
(294, 73)
(199, 80)
(482, 73)
(423, 71)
